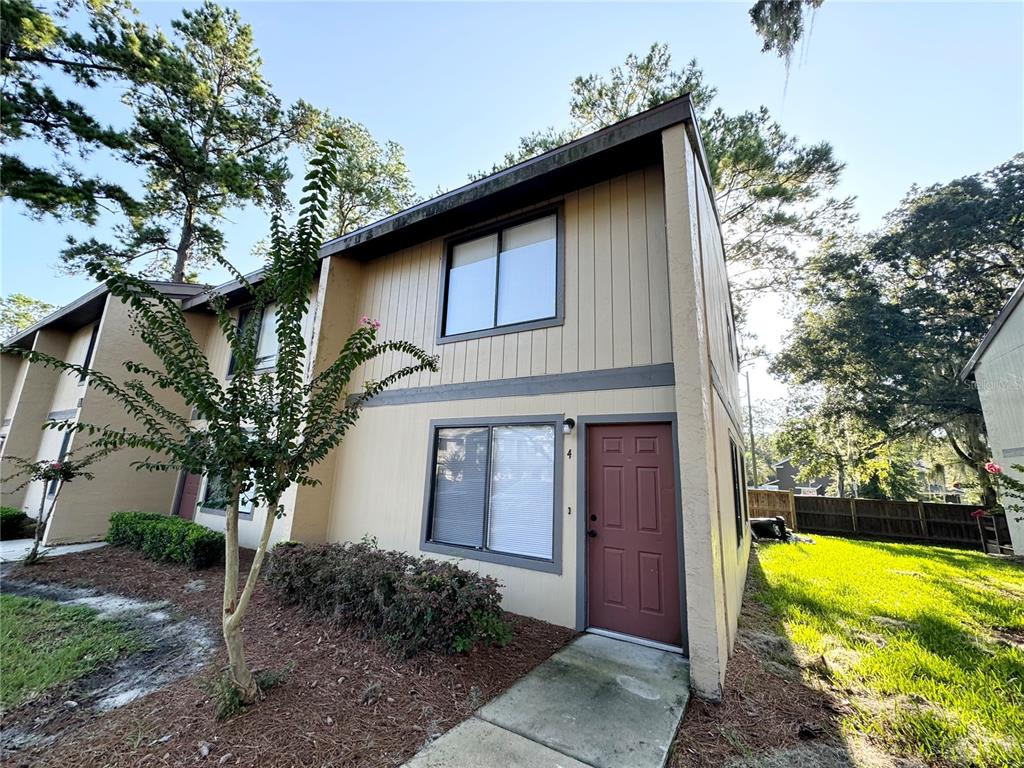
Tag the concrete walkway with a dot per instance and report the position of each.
(598, 702)
(16, 549)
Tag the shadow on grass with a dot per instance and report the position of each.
(772, 713)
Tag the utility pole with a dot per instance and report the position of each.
(750, 425)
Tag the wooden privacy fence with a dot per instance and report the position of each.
(921, 522)
(772, 504)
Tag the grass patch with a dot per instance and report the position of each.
(44, 644)
(915, 636)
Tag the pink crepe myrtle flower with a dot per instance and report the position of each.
(978, 513)
(992, 468)
(56, 465)
(370, 322)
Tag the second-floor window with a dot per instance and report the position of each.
(266, 335)
(502, 279)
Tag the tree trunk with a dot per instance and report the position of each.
(235, 605)
(184, 244)
(974, 453)
(841, 478)
(37, 538)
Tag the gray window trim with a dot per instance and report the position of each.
(582, 422)
(558, 209)
(554, 565)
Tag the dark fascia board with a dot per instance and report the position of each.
(628, 144)
(623, 146)
(88, 308)
(1004, 314)
(233, 291)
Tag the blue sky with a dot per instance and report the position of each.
(906, 92)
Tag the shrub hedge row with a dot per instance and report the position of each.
(12, 522)
(412, 604)
(164, 538)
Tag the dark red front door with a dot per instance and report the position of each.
(632, 555)
(188, 496)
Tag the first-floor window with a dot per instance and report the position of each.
(494, 489)
(739, 490)
(215, 498)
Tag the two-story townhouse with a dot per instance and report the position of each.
(581, 440)
(93, 331)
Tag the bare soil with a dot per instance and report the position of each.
(346, 701)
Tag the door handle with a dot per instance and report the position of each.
(591, 533)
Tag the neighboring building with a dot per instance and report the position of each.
(786, 474)
(94, 331)
(997, 367)
(581, 441)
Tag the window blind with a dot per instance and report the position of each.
(522, 490)
(526, 283)
(460, 486)
(471, 285)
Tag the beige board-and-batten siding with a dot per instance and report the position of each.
(60, 395)
(381, 474)
(616, 309)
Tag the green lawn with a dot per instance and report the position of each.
(927, 643)
(44, 644)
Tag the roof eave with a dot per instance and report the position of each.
(993, 331)
(581, 150)
(24, 338)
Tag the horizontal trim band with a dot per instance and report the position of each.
(637, 377)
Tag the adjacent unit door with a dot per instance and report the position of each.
(188, 496)
(632, 532)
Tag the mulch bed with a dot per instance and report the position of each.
(347, 701)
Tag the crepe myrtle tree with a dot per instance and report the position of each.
(259, 433)
(1007, 487)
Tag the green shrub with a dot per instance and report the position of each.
(167, 539)
(412, 603)
(12, 523)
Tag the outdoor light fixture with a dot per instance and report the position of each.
(568, 425)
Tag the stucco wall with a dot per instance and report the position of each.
(218, 355)
(84, 506)
(1000, 380)
(705, 394)
(12, 377)
(28, 415)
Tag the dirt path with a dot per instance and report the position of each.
(176, 647)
